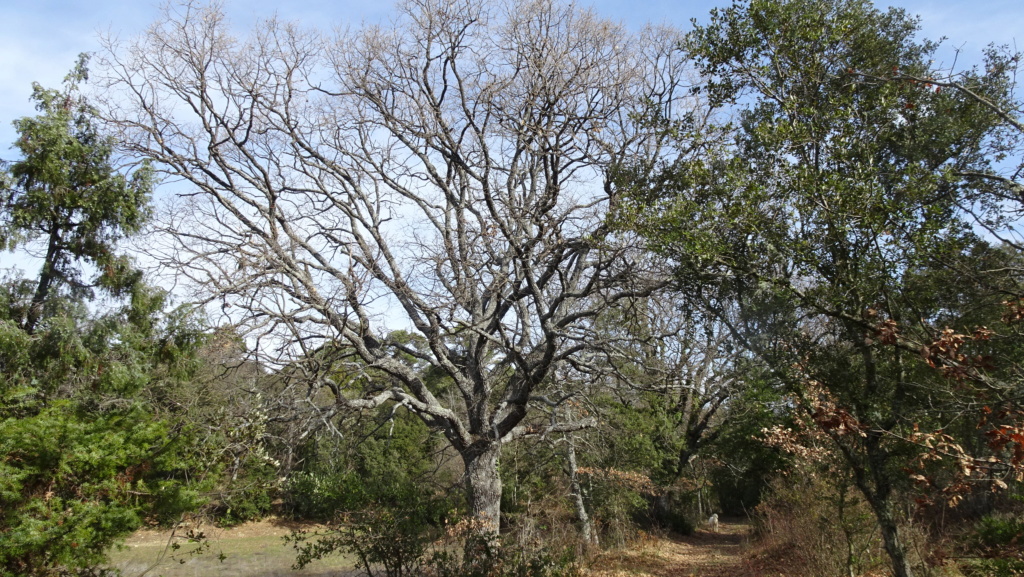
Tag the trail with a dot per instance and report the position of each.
(703, 554)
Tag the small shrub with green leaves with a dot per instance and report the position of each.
(379, 496)
(384, 542)
(248, 497)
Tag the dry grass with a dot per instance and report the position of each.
(257, 550)
(249, 550)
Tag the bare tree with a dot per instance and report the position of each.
(659, 345)
(658, 354)
(448, 174)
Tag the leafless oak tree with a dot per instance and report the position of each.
(448, 173)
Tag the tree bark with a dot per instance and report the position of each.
(878, 493)
(894, 544)
(46, 278)
(586, 524)
(483, 484)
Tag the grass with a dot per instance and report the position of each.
(247, 551)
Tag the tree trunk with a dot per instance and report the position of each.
(848, 532)
(586, 525)
(46, 277)
(880, 499)
(894, 545)
(483, 484)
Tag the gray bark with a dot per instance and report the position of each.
(483, 484)
(586, 525)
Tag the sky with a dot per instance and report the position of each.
(41, 38)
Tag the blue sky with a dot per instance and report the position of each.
(41, 38)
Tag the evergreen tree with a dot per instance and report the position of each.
(83, 460)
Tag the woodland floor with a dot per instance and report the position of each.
(703, 554)
(257, 550)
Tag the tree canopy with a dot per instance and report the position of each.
(451, 170)
(832, 208)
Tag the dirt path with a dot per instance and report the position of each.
(703, 554)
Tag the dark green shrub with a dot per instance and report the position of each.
(674, 519)
(248, 497)
(318, 495)
(385, 461)
(996, 547)
(381, 497)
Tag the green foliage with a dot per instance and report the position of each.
(744, 463)
(388, 525)
(67, 195)
(531, 472)
(84, 459)
(994, 547)
(377, 491)
(833, 212)
(385, 461)
(71, 482)
(994, 531)
(381, 539)
(249, 496)
(653, 443)
(614, 484)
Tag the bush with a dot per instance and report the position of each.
(465, 552)
(318, 495)
(383, 541)
(72, 484)
(669, 510)
(998, 544)
(620, 503)
(389, 543)
(819, 524)
(379, 501)
(249, 497)
(385, 461)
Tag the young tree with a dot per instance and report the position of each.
(831, 209)
(448, 173)
(68, 196)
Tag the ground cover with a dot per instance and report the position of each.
(248, 550)
(258, 550)
(703, 554)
